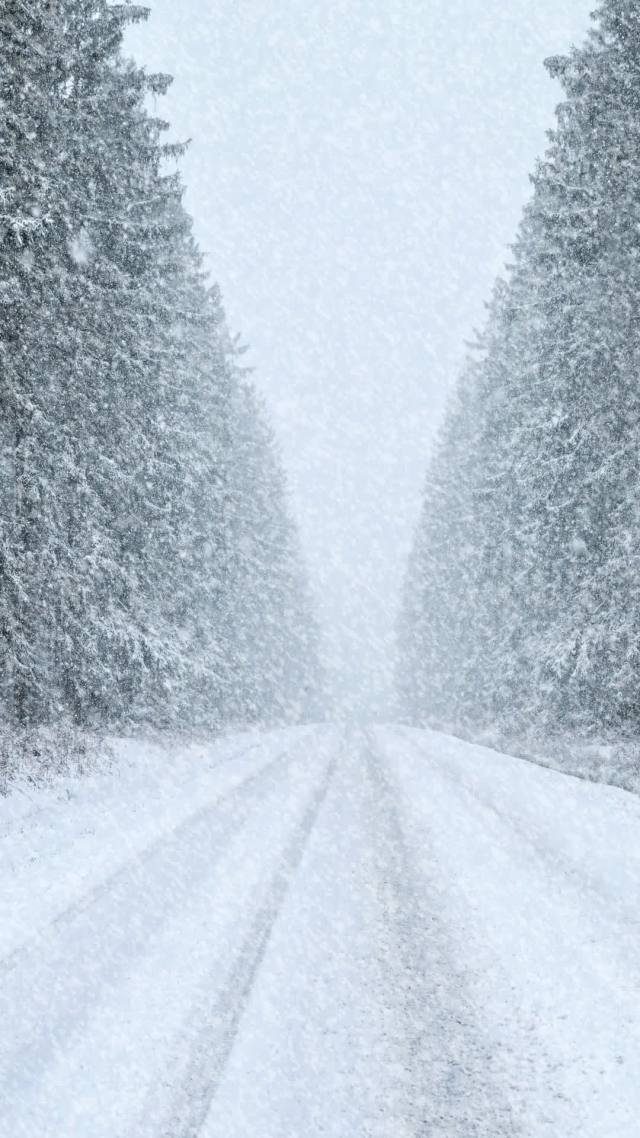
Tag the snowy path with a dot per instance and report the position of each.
(332, 932)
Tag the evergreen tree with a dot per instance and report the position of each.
(24, 206)
(275, 673)
(126, 457)
(549, 630)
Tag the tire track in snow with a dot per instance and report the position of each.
(43, 1014)
(561, 999)
(446, 1084)
(215, 1035)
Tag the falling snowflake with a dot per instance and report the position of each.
(81, 248)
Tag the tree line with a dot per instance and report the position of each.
(521, 608)
(149, 572)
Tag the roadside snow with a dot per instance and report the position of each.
(59, 840)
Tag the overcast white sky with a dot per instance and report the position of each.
(356, 173)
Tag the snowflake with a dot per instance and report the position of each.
(81, 248)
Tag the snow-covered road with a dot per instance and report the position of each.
(324, 931)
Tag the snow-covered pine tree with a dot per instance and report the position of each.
(549, 630)
(28, 77)
(125, 456)
(434, 636)
(587, 210)
(91, 346)
(196, 560)
(276, 675)
(114, 234)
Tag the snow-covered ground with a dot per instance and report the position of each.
(324, 931)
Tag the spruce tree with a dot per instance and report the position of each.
(129, 588)
(275, 674)
(549, 628)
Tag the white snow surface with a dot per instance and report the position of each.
(320, 931)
